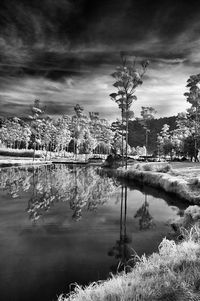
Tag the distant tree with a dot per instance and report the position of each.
(88, 143)
(147, 114)
(26, 134)
(62, 133)
(127, 78)
(79, 123)
(36, 109)
(189, 147)
(165, 145)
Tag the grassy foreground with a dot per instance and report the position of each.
(183, 180)
(172, 274)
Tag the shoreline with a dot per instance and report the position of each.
(22, 162)
(184, 184)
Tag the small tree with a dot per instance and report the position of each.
(164, 140)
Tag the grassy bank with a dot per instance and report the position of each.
(9, 152)
(21, 162)
(172, 274)
(184, 181)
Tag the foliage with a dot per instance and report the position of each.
(41, 132)
(127, 78)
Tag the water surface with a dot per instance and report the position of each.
(63, 224)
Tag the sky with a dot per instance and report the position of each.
(64, 51)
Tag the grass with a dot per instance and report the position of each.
(9, 152)
(172, 274)
(183, 181)
(156, 167)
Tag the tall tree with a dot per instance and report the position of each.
(127, 78)
(193, 97)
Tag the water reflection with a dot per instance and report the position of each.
(52, 248)
(122, 250)
(145, 218)
(80, 187)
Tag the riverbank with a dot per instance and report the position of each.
(17, 157)
(171, 274)
(8, 162)
(181, 179)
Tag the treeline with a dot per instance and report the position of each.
(79, 133)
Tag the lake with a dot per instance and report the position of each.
(63, 224)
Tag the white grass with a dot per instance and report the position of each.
(169, 275)
(184, 183)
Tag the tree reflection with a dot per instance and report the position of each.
(14, 181)
(122, 250)
(80, 187)
(145, 218)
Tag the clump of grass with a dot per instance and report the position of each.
(172, 274)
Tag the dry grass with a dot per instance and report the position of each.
(172, 274)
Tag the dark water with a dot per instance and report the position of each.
(60, 225)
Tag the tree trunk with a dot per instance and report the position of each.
(126, 137)
(122, 136)
(146, 142)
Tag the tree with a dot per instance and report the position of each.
(79, 123)
(147, 114)
(26, 134)
(193, 97)
(127, 78)
(164, 141)
(88, 143)
(62, 133)
(101, 131)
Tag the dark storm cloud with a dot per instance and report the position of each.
(64, 51)
(40, 31)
